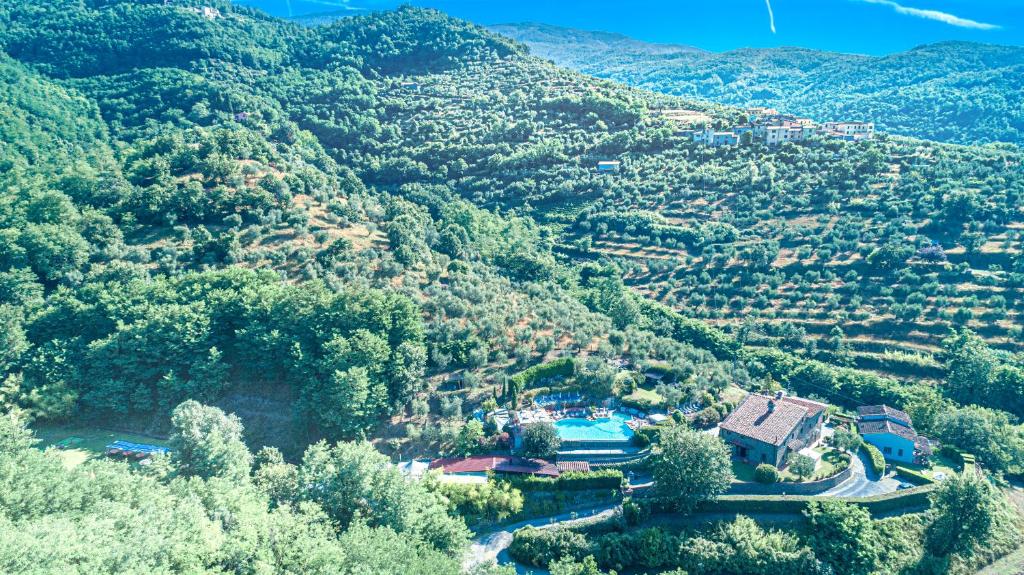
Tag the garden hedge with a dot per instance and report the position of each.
(766, 473)
(570, 481)
(877, 459)
(563, 367)
(907, 499)
(914, 476)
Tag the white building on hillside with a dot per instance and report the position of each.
(853, 131)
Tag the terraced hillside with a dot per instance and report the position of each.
(835, 249)
(872, 271)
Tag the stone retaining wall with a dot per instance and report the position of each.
(785, 488)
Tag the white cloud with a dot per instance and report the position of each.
(938, 16)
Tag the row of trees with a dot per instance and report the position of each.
(967, 520)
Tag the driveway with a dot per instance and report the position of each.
(863, 481)
(488, 547)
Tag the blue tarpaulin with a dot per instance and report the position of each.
(137, 447)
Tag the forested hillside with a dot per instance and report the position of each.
(319, 229)
(953, 92)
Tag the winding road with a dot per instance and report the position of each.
(491, 546)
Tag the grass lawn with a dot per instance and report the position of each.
(939, 464)
(826, 468)
(829, 463)
(84, 443)
(733, 394)
(645, 394)
(742, 471)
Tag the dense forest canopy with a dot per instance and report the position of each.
(953, 91)
(316, 227)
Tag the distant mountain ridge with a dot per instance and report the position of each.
(958, 92)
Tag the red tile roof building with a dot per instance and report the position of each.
(497, 464)
(765, 429)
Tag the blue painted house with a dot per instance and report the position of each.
(892, 432)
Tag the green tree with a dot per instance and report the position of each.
(540, 440)
(468, 441)
(963, 513)
(846, 440)
(569, 566)
(353, 482)
(970, 364)
(691, 468)
(800, 464)
(843, 536)
(208, 443)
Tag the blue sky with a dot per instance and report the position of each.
(858, 26)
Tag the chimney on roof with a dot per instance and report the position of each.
(779, 394)
(771, 405)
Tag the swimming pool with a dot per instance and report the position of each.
(612, 428)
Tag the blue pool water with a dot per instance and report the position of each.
(613, 428)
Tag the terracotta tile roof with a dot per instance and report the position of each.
(923, 445)
(813, 407)
(755, 418)
(868, 410)
(496, 463)
(564, 466)
(886, 426)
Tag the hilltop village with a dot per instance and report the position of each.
(773, 128)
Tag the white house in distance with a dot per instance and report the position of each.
(710, 137)
(208, 12)
(608, 165)
(773, 129)
(892, 432)
(852, 131)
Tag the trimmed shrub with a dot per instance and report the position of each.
(634, 513)
(765, 473)
(562, 367)
(794, 504)
(913, 476)
(651, 433)
(569, 481)
(539, 547)
(641, 439)
(707, 417)
(953, 454)
(838, 467)
(877, 459)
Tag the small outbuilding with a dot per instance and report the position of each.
(500, 464)
(892, 432)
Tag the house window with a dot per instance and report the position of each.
(763, 458)
(742, 451)
(887, 451)
(900, 453)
